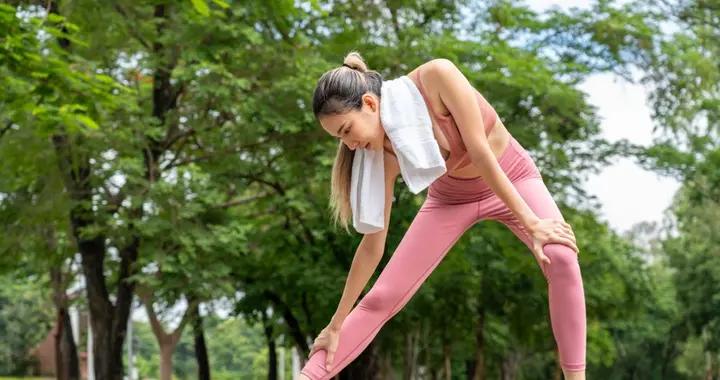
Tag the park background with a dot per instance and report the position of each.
(162, 179)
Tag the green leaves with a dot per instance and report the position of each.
(71, 117)
(201, 6)
(209, 153)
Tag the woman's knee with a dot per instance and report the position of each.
(563, 259)
(380, 298)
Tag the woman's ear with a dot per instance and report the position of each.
(371, 102)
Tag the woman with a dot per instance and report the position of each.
(490, 176)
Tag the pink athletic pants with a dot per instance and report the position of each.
(452, 206)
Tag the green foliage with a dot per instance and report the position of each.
(197, 138)
(236, 349)
(25, 320)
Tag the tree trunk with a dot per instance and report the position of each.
(510, 366)
(272, 350)
(166, 341)
(108, 320)
(291, 322)
(411, 354)
(166, 353)
(709, 369)
(386, 368)
(447, 362)
(478, 372)
(201, 355)
(67, 366)
(66, 359)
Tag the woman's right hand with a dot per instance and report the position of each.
(550, 230)
(327, 340)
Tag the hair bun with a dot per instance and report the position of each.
(355, 61)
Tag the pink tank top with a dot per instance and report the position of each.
(458, 152)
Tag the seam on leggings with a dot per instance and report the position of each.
(382, 323)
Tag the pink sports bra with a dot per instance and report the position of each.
(458, 152)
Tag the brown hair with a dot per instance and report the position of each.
(338, 91)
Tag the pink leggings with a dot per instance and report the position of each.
(452, 206)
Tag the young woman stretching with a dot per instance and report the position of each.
(490, 176)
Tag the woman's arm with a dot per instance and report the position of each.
(459, 97)
(369, 252)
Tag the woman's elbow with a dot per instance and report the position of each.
(483, 160)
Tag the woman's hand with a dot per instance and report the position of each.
(327, 340)
(544, 231)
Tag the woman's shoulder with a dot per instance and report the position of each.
(432, 67)
(426, 77)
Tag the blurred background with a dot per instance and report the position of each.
(164, 187)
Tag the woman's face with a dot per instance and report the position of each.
(357, 128)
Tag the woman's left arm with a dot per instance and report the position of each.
(459, 97)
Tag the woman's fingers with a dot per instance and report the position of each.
(540, 255)
(329, 359)
(570, 230)
(315, 346)
(566, 235)
(567, 242)
(563, 224)
(571, 238)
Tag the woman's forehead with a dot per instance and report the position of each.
(333, 122)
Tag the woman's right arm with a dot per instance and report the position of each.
(369, 251)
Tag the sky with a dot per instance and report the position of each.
(628, 193)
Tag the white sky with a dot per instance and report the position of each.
(628, 193)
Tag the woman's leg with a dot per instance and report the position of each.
(432, 233)
(565, 287)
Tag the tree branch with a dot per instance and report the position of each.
(237, 202)
(131, 29)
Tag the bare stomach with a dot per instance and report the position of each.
(498, 139)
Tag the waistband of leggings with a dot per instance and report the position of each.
(510, 151)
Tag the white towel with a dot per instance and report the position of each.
(406, 120)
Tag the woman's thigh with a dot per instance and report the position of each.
(536, 194)
(432, 233)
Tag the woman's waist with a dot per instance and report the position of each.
(514, 161)
(459, 163)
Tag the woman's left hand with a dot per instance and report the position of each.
(544, 231)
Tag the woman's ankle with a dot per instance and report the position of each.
(574, 375)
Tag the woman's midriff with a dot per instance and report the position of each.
(514, 161)
(498, 139)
